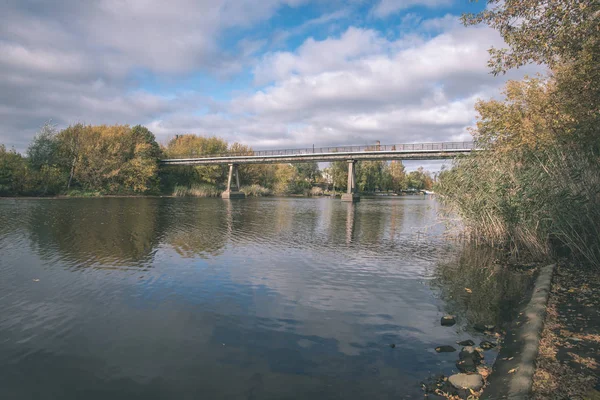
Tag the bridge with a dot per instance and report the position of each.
(351, 154)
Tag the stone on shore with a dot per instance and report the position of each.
(466, 365)
(448, 320)
(445, 349)
(467, 342)
(466, 381)
(469, 352)
(486, 345)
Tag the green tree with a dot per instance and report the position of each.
(308, 171)
(369, 175)
(43, 150)
(13, 172)
(420, 179)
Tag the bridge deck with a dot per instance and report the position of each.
(411, 151)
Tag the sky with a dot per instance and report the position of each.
(268, 73)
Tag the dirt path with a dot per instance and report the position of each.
(568, 363)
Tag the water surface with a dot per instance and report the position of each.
(170, 298)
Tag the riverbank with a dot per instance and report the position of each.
(202, 194)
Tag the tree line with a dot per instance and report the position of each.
(121, 160)
(535, 188)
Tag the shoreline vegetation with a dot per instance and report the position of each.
(99, 160)
(533, 191)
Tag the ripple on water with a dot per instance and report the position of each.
(262, 298)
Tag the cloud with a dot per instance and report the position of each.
(73, 62)
(89, 64)
(388, 7)
(358, 88)
(361, 87)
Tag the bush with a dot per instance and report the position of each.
(316, 191)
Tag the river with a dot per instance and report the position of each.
(271, 298)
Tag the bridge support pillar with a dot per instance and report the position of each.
(233, 194)
(351, 194)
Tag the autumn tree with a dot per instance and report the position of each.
(397, 176)
(187, 146)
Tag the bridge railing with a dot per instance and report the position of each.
(404, 147)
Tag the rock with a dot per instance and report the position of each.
(466, 365)
(448, 320)
(445, 349)
(465, 381)
(433, 383)
(392, 345)
(486, 345)
(468, 342)
(469, 352)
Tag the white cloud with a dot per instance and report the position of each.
(73, 62)
(387, 7)
(81, 64)
(360, 87)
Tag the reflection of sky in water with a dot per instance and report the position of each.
(269, 298)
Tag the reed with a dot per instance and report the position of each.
(196, 190)
(256, 191)
(538, 202)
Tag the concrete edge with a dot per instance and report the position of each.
(524, 345)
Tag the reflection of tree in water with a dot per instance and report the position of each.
(494, 290)
(115, 231)
(197, 227)
(370, 224)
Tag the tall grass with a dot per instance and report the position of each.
(537, 202)
(196, 190)
(256, 191)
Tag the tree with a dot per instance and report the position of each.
(338, 170)
(369, 175)
(397, 175)
(420, 180)
(13, 172)
(143, 135)
(308, 171)
(43, 150)
(182, 146)
(539, 31)
(69, 148)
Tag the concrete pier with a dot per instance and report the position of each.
(351, 195)
(229, 193)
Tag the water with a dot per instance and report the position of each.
(164, 298)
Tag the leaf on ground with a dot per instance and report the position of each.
(512, 371)
(468, 290)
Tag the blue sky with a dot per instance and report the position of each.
(269, 73)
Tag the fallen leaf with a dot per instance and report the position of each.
(468, 290)
(512, 371)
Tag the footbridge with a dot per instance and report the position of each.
(351, 154)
